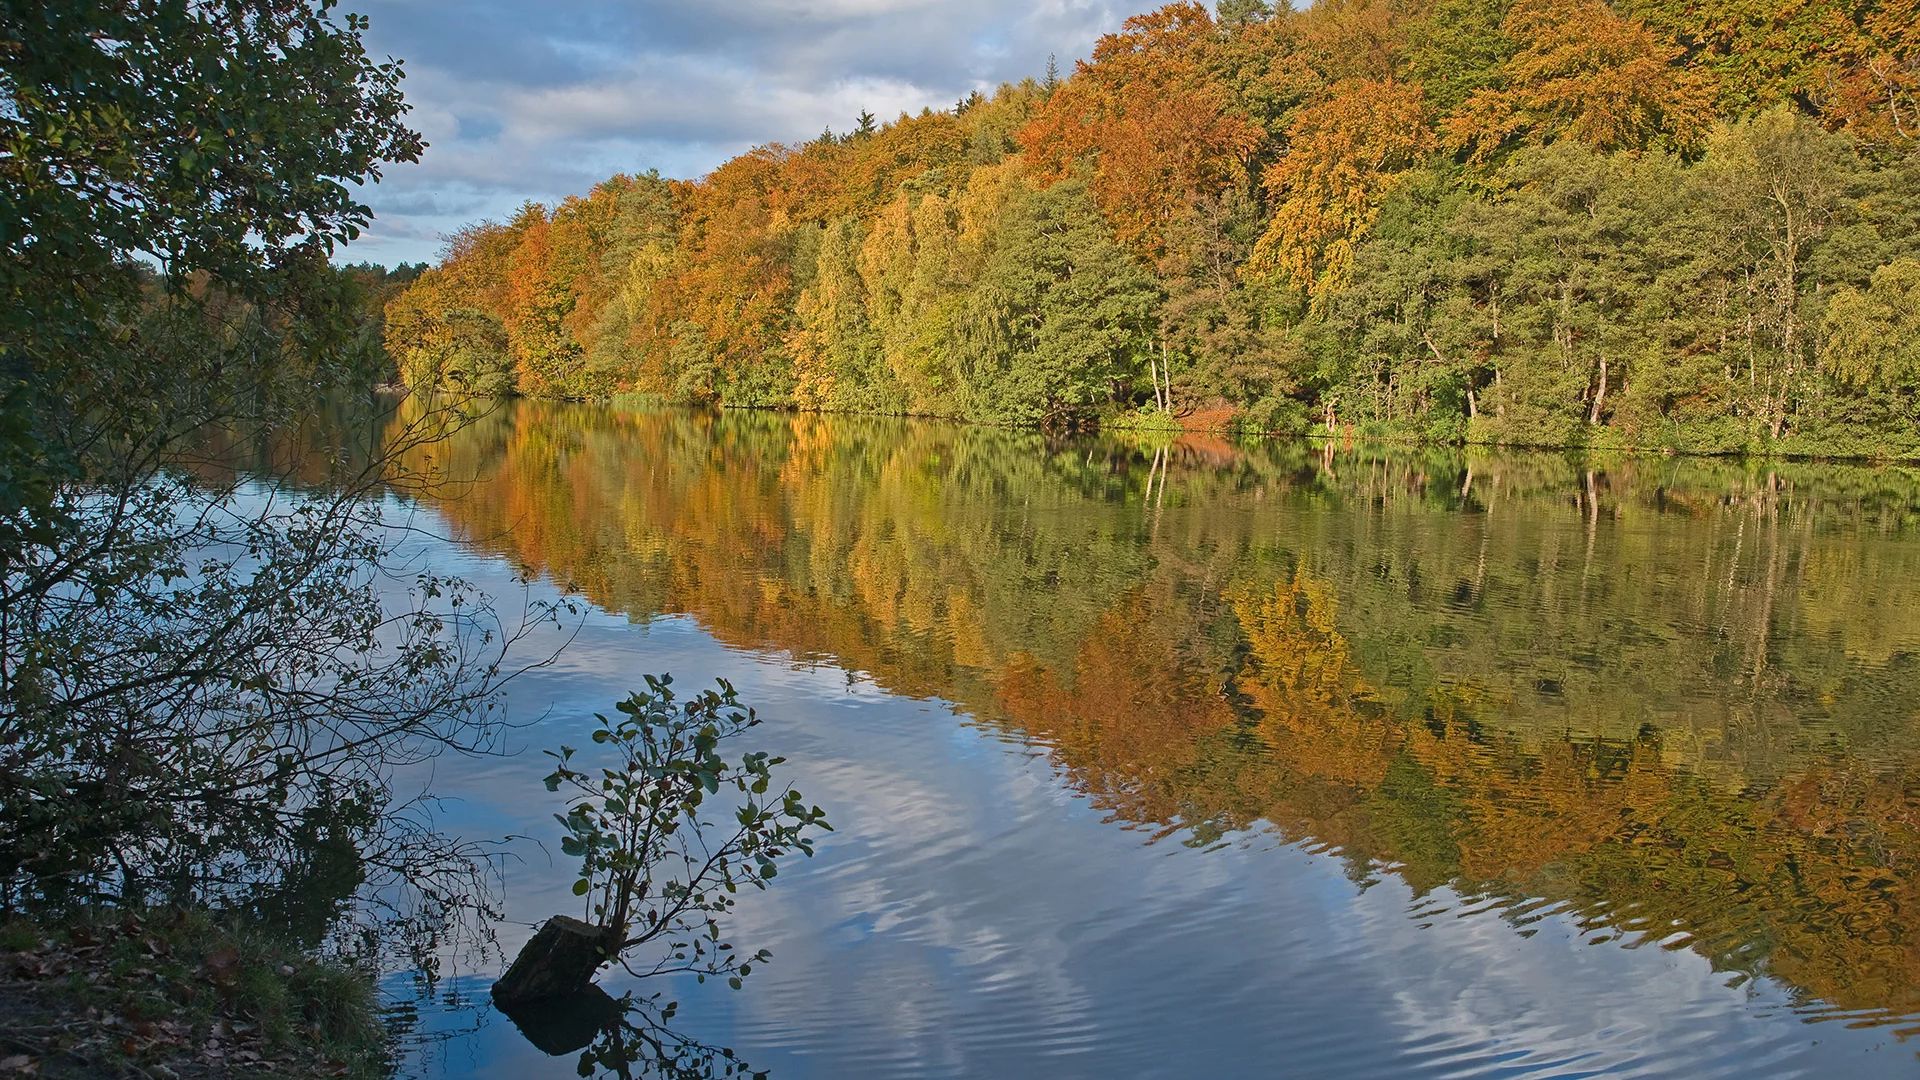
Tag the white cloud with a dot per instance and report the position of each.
(523, 101)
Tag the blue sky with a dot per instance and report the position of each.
(540, 100)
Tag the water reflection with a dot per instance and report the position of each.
(624, 1037)
(1672, 704)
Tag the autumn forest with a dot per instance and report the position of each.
(1637, 224)
(863, 568)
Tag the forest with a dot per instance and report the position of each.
(1641, 224)
(1659, 694)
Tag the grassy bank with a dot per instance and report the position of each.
(164, 993)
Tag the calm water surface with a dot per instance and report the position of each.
(1203, 760)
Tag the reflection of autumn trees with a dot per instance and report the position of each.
(1679, 699)
(1812, 880)
(1300, 676)
(1136, 719)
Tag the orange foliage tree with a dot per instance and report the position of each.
(1340, 163)
(1584, 72)
(1151, 121)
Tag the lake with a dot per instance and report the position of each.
(1156, 757)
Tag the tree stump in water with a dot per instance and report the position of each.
(561, 959)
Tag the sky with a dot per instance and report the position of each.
(538, 100)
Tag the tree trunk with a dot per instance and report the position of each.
(561, 959)
(1599, 394)
(1166, 372)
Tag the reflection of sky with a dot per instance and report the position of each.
(972, 916)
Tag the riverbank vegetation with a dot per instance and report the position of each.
(207, 676)
(175, 993)
(1562, 222)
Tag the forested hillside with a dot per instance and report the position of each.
(1565, 222)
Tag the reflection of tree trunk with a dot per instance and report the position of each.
(1592, 497)
(1733, 573)
(1763, 628)
(1703, 603)
(565, 1025)
(1480, 565)
(1156, 498)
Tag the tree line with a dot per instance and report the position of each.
(1566, 222)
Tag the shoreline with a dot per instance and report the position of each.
(1347, 436)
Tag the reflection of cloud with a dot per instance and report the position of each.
(522, 102)
(1495, 994)
(967, 919)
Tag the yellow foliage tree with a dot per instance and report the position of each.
(1341, 160)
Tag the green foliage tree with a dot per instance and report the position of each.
(1060, 318)
(1872, 335)
(838, 363)
(640, 241)
(1777, 186)
(1457, 48)
(659, 866)
(438, 344)
(910, 266)
(195, 670)
(1237, 13)
(207, 138)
